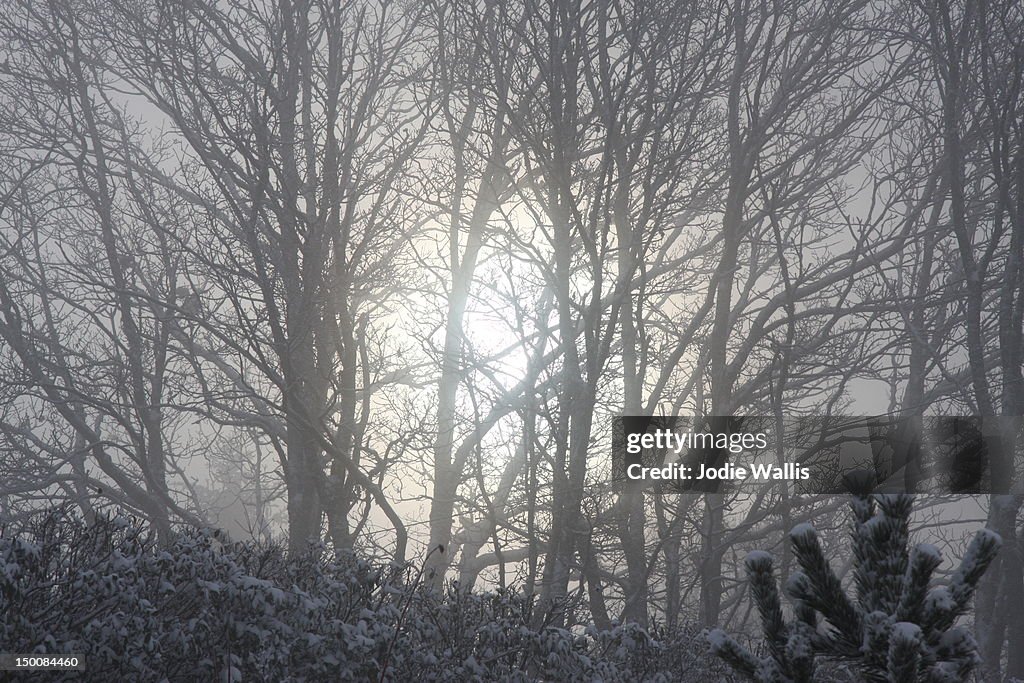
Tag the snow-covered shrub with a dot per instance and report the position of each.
(898, 629)
(203, 610)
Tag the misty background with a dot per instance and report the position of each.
(380, 273)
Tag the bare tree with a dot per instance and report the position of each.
(88, 283)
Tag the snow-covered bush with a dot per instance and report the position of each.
(202, 610)
(899, 629)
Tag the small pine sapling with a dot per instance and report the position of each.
(897, 628)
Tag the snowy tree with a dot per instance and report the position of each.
(899, 627)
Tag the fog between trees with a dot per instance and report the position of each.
(382, 272)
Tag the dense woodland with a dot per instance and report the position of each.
(376, 275)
